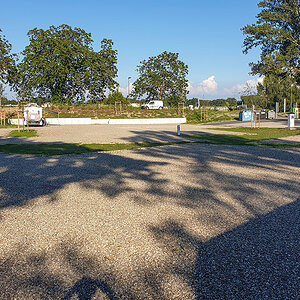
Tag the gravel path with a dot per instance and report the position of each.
(175, 222)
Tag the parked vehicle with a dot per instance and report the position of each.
(153, 104)
(33, 114)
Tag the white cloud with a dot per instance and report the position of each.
(250, 86)
(208, 86)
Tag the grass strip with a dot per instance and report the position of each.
(249, 136)
(62, 149)
(260, 134)
(23, 133)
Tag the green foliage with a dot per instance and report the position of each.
(161, 77)
(172, 101)
(256, 100)
(7, 60)
(116, 97)
(23, 133)
(277, 33)
(277, 88)
(62, 149)
(251, 137)
(3, 100)
(60, 64)
(229, 102)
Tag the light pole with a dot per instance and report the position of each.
(128, 91)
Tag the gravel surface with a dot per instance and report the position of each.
(175, 222)
(105, 134)
(286, 140)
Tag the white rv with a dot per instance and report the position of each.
(33, 114)
(153, 104)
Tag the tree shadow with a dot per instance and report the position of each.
(211, 248)
(257, 260)
(41, 175)
(86, 289)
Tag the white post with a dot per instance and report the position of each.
(291, 121)
(276, 109)
(178, 129)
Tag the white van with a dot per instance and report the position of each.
(153, 104)
(34, 113)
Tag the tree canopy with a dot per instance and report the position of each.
(275, 89)
(60, 63)
(277, 33)
(161, 77)
(7, 60)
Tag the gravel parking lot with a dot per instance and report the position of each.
(105, 134)
(174, 222)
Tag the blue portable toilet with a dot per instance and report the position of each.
(245, 115)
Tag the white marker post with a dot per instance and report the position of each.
(291, 121)
(178, 129)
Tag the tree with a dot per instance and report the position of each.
(231, 102)
(161, 77)
(275, 89)
(60, 63)
(173, 101)
(7, 60)
(277, 33)
(116, 97)
(256, 100)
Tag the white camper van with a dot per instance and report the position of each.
(153, 104)
(33, 114)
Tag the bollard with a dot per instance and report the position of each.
(291, 121)
(178, 129)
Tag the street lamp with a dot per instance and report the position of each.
(128, 89)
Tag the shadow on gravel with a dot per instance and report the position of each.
(257, 260)
(241, 259)
(23, 178)
(86, 289)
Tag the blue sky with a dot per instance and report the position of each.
(206, 34)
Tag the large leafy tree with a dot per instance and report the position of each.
(60, 64)
(161, 77)
(277, 33)
(7, 60)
